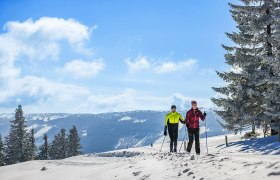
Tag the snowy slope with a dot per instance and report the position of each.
(107, 131)
(246, 159)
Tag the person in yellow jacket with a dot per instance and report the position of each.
(172, 122)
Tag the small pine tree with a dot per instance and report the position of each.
(73, 143)
(1, 152)
(58, 148)
(15, 141)
(30, 146)
(44, 149)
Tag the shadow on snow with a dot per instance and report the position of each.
(267, 145)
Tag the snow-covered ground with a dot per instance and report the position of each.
(243, 159)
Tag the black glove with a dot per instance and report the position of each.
(204, 114)
(165, 130)
(188, 125)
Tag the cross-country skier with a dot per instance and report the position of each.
(192, 123)
(171, 122)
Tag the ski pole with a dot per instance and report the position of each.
(162, 143)
(187, 137)
(206, 135)
(182, 142)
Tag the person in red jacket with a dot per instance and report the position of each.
(192, 123)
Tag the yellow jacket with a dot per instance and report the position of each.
(173, 118)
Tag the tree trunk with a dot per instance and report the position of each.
(265, 129)
(273, 129)
(268, 32)
(279, 132)
(253, 127)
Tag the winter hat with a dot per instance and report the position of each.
(173, 106)
(194, 102)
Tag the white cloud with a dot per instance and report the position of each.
(140, 63)
(39, 40)
(83, 69)
(184, 102)
(7, 70)
(169, 67)
(181, 101)
(111, 102)
(130, 99)
(53, 29)
(57, 97)
(42, 89)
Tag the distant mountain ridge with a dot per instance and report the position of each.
(108, 131)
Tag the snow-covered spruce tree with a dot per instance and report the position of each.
(245, 91)
(58, 148)
(271, 63)
(73, 143)
(30, 146)
(1, 152)
(268, 81)
(234, 108)
(237, 109)
(14, 142)
(44, 149)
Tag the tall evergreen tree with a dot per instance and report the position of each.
(244, 101)
(73, 142)
(1, 152)
(58, 148)
(44, 149)
(14, 150)
(272, 63)
(30, 146)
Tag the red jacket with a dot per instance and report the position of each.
(192, 118)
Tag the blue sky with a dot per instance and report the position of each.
(99, 56)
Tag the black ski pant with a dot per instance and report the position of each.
(173, 134)
(193, 134)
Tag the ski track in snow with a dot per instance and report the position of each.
(143, 163)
